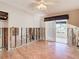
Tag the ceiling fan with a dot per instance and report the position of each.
(42, 4)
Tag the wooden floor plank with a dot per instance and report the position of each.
(42, 50)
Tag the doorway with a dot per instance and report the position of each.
(61, 31)
(56, 31)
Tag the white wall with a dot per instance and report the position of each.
(50, 30)
(20, 18)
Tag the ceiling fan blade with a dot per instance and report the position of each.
(49, 3)
(33, 6)
(36, 1)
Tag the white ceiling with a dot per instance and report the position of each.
(59, 6)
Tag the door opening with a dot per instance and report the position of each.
(61, 31)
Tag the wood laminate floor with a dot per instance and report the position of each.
(42, 50)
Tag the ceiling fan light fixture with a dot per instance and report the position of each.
(42, 7)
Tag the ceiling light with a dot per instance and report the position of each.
(42, 7)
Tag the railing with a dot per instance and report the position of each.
(73, 35)
(21, 36)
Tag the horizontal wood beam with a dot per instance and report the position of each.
(59, 17)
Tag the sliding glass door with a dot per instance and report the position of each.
(61, 31)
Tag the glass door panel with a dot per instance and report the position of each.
(61, 31)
